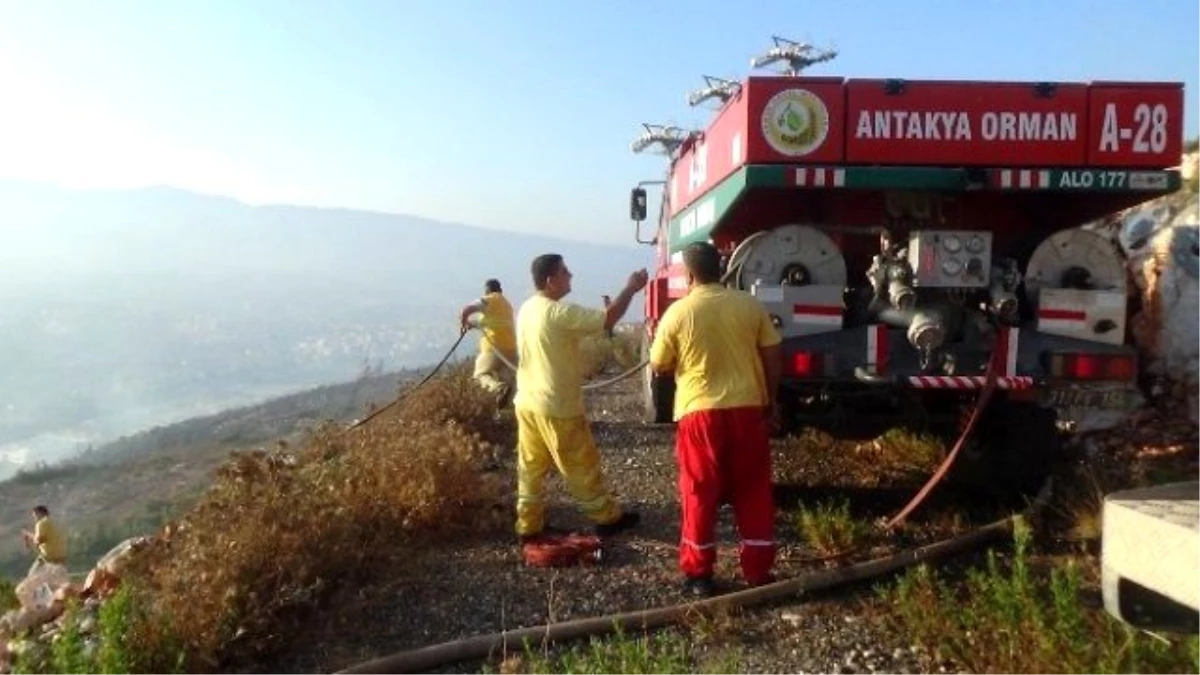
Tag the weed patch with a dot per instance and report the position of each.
(669, 651)
(8, 596)
(1007, 618)
(829, 528)
(1078, 513)
(917, 452)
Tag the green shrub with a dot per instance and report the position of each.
(670, 651)
(1007, 618)
(8, 596)
(830, 528)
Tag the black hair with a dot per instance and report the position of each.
(703, 261)
(544, 266)
(41, 510)
(492, 286)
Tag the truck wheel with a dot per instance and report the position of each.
(1013, 448)
(658, 391)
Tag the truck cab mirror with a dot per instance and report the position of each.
(637, 204)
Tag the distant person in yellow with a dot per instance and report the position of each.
(496, 323)
(48, 538)
(551, 425)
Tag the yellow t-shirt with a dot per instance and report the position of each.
(549, 377)
(51, 541)
(711, 336)
(497, 324)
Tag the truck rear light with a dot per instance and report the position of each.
(805, 364)
(1092, 366)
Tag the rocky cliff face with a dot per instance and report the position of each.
(1160, 241)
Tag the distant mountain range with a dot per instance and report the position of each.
(121, 310)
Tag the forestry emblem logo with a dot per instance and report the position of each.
(795, 122)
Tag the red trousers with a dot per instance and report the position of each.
(725, 455)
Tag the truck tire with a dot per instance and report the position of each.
(658, 391)
(1013, 448)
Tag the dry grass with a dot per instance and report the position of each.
(122, 488)
(912, 451)
(720, 626)
(278, 531)
(1080, 507)
(898, 457)
(611, 355)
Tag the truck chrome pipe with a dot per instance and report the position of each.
(926, 326)
(927, 331)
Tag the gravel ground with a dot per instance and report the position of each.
(481, 586)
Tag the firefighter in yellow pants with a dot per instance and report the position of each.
(496, 324)
(551, 426)
(567, 444)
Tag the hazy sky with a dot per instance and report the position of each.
(512, 115)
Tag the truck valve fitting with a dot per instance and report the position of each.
(1003, 300)
(926, 332)
(1004, 303)
(901, 295)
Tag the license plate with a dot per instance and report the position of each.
(1103, 399)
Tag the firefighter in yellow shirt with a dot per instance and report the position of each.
(725, 354)
(551, 426)
(47, 537)
(496, 323)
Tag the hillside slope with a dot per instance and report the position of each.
(132, 485)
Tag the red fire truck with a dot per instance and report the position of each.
(916, 241)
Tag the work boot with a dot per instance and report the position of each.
(548, 532)
(699, 587)
(627, 520)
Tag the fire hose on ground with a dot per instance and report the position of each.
(423, 658)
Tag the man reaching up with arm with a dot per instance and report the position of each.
(725, 355)
(551, 426)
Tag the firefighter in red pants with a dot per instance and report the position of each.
(725, 355)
